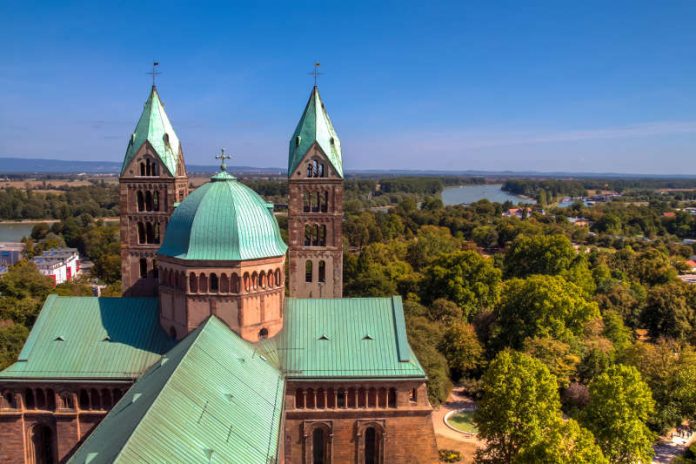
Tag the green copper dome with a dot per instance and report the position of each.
(223, 220)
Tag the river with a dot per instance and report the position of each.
(14, 231)
(465, 194)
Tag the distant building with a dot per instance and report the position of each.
(10, 253)
(579, 221)
(691, 264)
(521, 213)
(60, 264)
(688, 278)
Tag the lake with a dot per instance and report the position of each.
(15, 231)
(465, 194)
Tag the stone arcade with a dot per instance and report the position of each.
(205, 359)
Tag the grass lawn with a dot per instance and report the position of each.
(464, 421)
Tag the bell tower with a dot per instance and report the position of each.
(153, 180)
(315, 205)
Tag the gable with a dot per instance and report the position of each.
(91, 338)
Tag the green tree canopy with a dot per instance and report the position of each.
(520, 404)
(542, 306)
(466, 278)
(462, 348)
(620, 405)
(539, 254)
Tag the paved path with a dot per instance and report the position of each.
(667, 449)
(455, 401)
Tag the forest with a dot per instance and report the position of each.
(569, 337)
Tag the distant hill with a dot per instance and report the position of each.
(50, 166)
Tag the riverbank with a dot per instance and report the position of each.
(52, 221)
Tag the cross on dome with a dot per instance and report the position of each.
(222, 157)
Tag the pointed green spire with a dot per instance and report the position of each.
(154, 127)
(315, 126)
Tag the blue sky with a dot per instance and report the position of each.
(591, 86)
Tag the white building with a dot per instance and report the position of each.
(61, 264)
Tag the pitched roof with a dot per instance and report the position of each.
(154, 127)
(315, 127)
(212, 398)
(223, 220)
(346, 338)
(90, 337)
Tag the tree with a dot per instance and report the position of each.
(541, 306)
(23, 280)
(431, 242)
(564, 443)
(12, 339)
(667, 312)
(539, 254)
(485, 236)
(424, 336)
(465, 278)
(555, 355)
(519, 405)
(443, 310)
(462, 348)
(620, 405)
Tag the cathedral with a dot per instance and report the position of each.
(220, 351)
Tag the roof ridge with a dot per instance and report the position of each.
(200, 330)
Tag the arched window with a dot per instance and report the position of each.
(148, 201)
(255, 280)
(362, 398)
(141, 233)
(182, 281)
(42, 447)
(155, 201)
(140, 200)
(8, 400)
(224, 283)
(413, 398)
(351, 398)
(341, 399)
(40, 398)
(214, 282)
(309, 170)
(391, 398)
(305, 202)
(299, 398)
(315, 235)
(322, 271)
(247, 282)
(235, 283)
(325, 202)
(142, 169)
(269, 276)
(157, 232)
(107, 400)
(147, 167)
(321, 399)
(84, 400)
(193, 283)
(307, 235)
(308, 271)
(143, 268)
(371, 446)
(50, 399)
(203, 283)
(29, 402)
(278, 280)
(67, 401)
(316, 198)
(263, 334)
(310, 399)
(372, 398)
(149, 233)
(96, 400)
(321, 169)
(155, 168)
(319, 446)
(321, 240)
(262, 279)
(315, 168)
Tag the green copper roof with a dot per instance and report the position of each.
(89, 337)
(223, 220)
(154, 127)
(211, 399)
(346, 338)
(315, 126)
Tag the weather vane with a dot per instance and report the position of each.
(315, 72)
(222, 157)
(154, 71)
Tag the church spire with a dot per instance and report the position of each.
(154, 127)
(315, 127)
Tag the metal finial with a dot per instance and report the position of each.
(315, 72)
(222, 157)
(154, 71)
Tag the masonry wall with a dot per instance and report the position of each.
(44, 422)
(403, 425)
